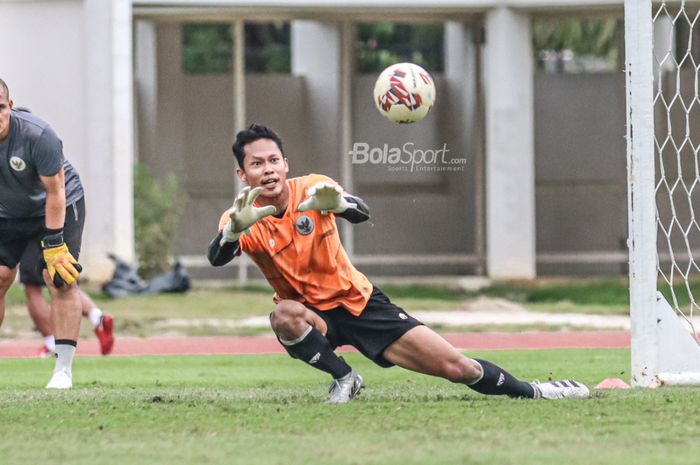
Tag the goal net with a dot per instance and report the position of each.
(662, 54)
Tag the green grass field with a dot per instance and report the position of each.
(269, 409)
(203, 312)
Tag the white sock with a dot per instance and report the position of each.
(50, 342)
(95, 317)
(64, 358)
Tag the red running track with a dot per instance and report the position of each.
(129, 346)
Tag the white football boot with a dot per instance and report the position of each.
(61, 379)
(343, 389)
(562, 389)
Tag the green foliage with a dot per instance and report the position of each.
(425, 291)
(603, 291)
(682, 293)
(610, 291)
(158, 206)
(584, 37)
(15, 296)
(268, 47)
(221, 311)
(206, 48)
(382, 44)
(269, 409)
(580, 292)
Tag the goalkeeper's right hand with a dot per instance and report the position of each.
(244, 215)
(63, 268)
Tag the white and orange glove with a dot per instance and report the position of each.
(63, 268)
(243, 214)
(326, 197)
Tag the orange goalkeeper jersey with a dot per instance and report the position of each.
(301, 256)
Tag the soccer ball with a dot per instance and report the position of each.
(404, 93)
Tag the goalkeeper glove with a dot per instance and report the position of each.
(63, 268)
(327, 197)
(244, 215)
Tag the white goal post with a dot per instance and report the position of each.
(663, 163)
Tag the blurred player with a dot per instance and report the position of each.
(41, 200)
(30, 275)
(322, 301)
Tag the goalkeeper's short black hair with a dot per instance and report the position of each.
(254, 132)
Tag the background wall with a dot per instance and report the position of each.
(581, 178)
(69, 62)
(580, 168)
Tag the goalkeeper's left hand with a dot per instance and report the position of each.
(63, 268)
(244, 214)
(326, 197)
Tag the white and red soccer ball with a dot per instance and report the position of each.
(404, 93)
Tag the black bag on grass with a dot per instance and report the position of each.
(126, 280)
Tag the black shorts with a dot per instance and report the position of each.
(378, 326)
(20, 241)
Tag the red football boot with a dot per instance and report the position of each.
(105, 334)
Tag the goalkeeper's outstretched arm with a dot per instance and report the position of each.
(357, 211)
(221, 252)
(326, 196)
(241, 217)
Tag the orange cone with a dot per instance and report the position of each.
(612, 383)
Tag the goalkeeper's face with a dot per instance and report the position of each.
(264, 165)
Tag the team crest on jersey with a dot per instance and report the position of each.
(17, 164)
(304, 225)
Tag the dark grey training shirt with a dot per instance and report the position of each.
(32, 149)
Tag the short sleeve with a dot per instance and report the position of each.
(48, 153)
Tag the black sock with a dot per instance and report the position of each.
(497, 381)
(314, 349)
(68, 342)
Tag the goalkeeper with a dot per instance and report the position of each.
(287, 227)
(41, 200)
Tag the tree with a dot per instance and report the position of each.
(561, 39)
(379, 45)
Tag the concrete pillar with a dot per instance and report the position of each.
(459, 68)
(315, 50)
(146, 83)
(465, 106)
(322, 53)
(169, 153)
(510, 157)
(108, 176)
